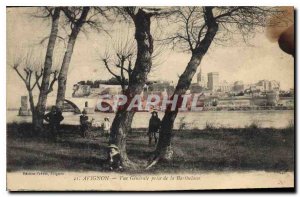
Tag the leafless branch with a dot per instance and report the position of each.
(20, 75)
(191, 24)
(54, 79)
(30, 66)
(87, 17)
(59, 37)
(38, 76)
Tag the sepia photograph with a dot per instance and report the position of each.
(150, 98)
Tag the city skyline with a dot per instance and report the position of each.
(235, 61)
(209, 80)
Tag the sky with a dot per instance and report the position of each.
(257, 60)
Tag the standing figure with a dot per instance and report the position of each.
(54, 117)
(154, 125)
(84, 123)
(106, 126)
(114, 158)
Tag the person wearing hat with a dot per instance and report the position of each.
(114, 158)
(154, 125)
(84, 123)
(54, 117)
(106, 126)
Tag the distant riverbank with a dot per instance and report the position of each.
(248, 108)
(219, 108)
(189, 120)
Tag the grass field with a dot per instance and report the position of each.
(212, 149)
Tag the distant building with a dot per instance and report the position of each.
(160, 86)
(262, 85)
(224, 86)
(110, 89)
(202, 79)
(95, 91)
(213, 81)
(238, 86)
(274, 85)
(81, 90)
(196, 88)
(265, 85)
(272, 98)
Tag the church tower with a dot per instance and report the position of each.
(199, 76)
(201, 79)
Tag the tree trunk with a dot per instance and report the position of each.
(63, 74)
(169, 118)
(123, 119)
(183, 85)
(120, 127)
(62, 77)
(32, 107)
(42, 100)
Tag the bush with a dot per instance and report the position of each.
(291, 125)
(210, 126)
(254, 125)
(182, 123)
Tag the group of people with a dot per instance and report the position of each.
(85, 124)
(153, 129)
(54, 118)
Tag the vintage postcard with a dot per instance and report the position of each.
(150, 98)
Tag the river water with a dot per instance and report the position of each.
(231, 119)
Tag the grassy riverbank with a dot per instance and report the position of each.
(221, 149)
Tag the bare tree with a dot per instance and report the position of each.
(141, 18)
(197, 28)
(118, 61)
(30, 70)
(77, 18)
(46, 85)
(119, 57)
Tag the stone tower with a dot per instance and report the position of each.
(201, 79)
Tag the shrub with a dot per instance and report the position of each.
(210, 126)
(182, 123)
(254, 125)
(290, 125)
